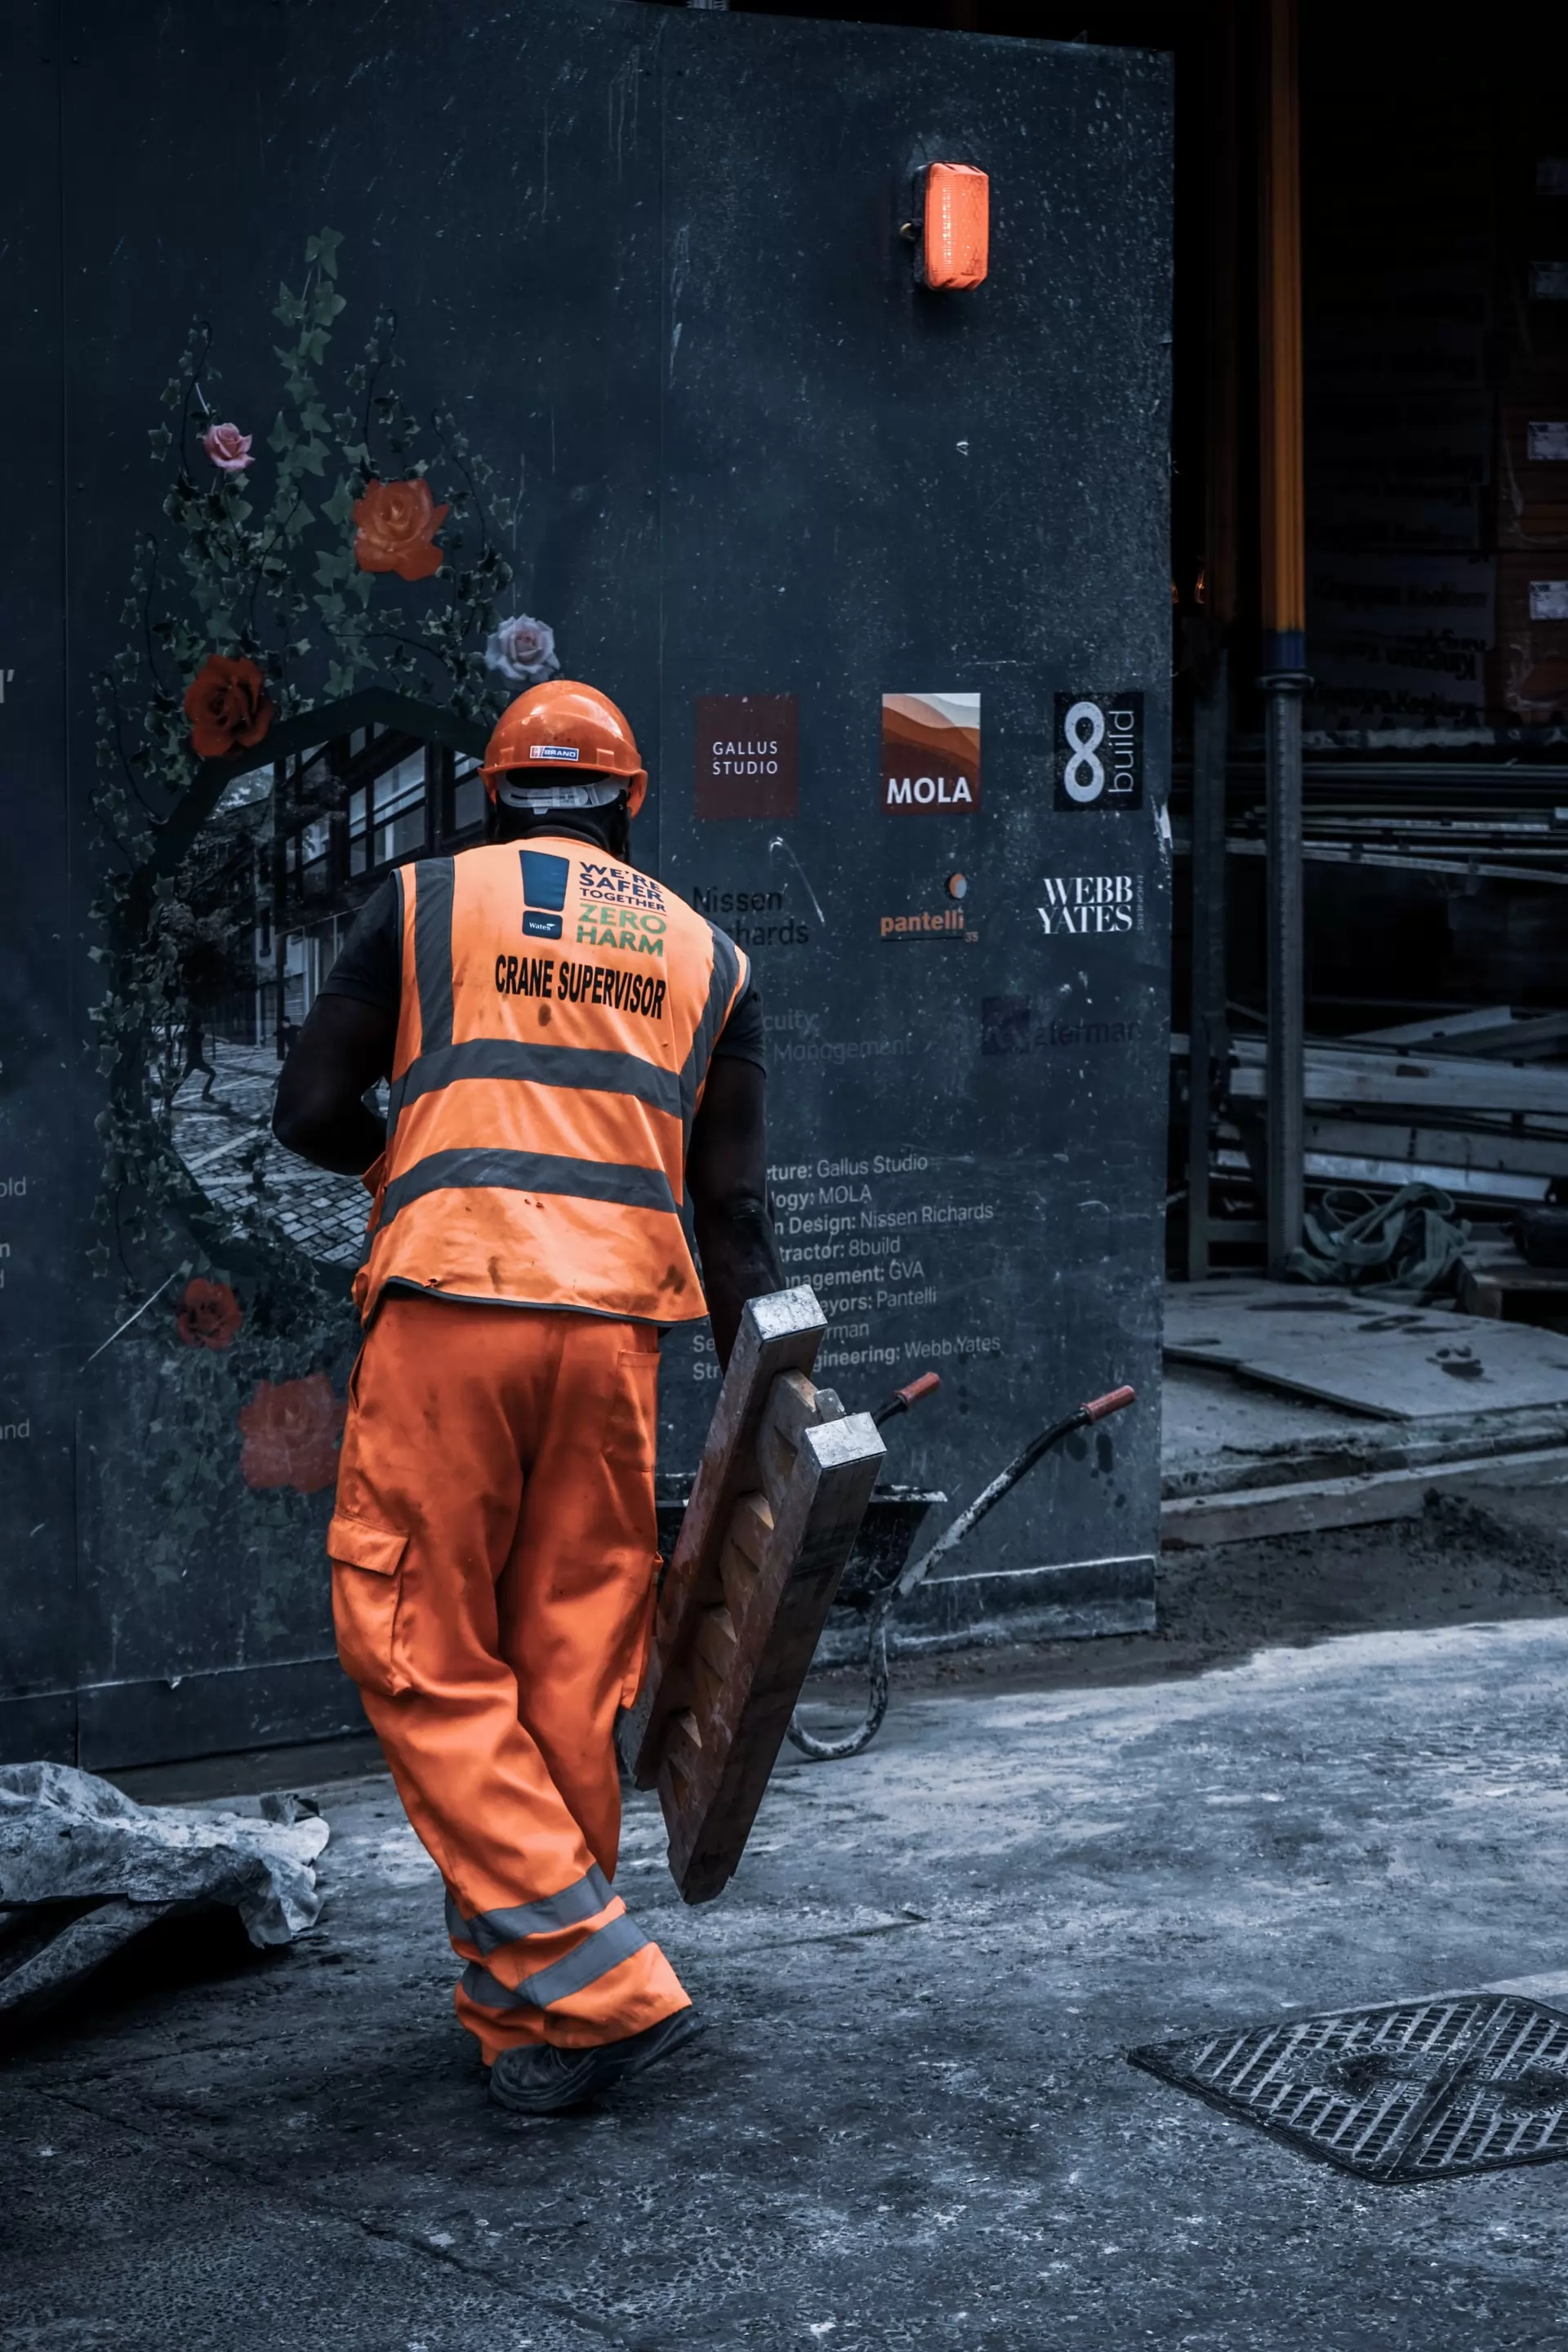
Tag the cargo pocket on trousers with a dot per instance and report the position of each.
(367, 1588)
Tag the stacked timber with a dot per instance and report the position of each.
(1467, 1101)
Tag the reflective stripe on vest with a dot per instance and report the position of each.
(551, 1053)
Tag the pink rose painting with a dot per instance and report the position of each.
(229, 447)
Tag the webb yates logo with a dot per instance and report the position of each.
(1099, 751)
(930, 754)
(1090, 906)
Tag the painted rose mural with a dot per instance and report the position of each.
(227, 706)
(394, 530)
(349, 544)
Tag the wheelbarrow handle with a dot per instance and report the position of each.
(1114, 1401)
(902, 1398)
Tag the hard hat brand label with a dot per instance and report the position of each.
(553, 751)
(1098, 748)
(747, 755)
(930, 754)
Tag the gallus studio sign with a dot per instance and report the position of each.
(1099, 749)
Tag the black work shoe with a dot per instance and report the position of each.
(538, 2079)
(619, 2060)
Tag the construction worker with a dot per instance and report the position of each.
(574, 1055)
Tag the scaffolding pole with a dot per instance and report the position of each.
(1284, 600)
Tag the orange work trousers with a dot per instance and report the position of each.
(493, 1562)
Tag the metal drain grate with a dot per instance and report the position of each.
(1419, 2090)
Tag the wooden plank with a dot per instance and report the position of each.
(1502, 1150)
(710, 1780)
(779, 1333)
(1250, 1513)
(1390, 1080)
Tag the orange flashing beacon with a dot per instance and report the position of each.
(955, 236)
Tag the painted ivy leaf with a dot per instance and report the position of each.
(160, 440)
(312, 455)
(323, 248)
(339, 508)
(289, 309)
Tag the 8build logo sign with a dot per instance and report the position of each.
(1099, 745)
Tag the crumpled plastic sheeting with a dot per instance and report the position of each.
(83, 1869)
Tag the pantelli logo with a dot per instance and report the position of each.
(1090, 906)
(930, 754)
(947, 924)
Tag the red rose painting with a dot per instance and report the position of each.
(226, 705)
(208, 1315)
(396, 524)
(290, 1429)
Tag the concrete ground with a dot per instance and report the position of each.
(911, 2123)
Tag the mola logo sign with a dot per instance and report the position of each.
(931, 753)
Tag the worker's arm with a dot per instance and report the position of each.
(726, 1178)
(342, 1049)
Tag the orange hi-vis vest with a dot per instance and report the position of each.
(558, 1010)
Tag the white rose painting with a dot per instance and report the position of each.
(522, 651)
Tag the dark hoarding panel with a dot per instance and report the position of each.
(364, 262)
(372, 417)
(46, 1139)
(937, 520)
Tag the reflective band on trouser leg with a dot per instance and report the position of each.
(493, 1552)
(488, 1930)
(603, 1949)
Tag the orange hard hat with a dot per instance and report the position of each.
(552, 745)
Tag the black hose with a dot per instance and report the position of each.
(834, 1751)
